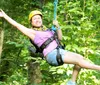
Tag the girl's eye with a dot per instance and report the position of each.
(36, 18)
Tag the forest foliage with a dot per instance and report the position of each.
(80, 23)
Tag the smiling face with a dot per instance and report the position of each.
(36, 21)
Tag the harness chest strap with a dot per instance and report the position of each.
(47, 42)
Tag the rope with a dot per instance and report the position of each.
(55, 13)
(55, 9)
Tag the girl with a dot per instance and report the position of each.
(50, 52)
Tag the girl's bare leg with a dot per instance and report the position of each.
(80, 62)
(75, 73)
(73, 58)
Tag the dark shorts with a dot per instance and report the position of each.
(51, 57)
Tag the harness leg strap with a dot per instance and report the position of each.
(59, 58)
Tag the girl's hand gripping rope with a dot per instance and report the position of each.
(55, 25)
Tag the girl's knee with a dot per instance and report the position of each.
(77, 67)
(80, 58)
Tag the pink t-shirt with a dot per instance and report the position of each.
(41, 37)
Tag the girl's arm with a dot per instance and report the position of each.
(59, 32)
(28, 32)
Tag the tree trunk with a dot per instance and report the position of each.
(34, 73)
